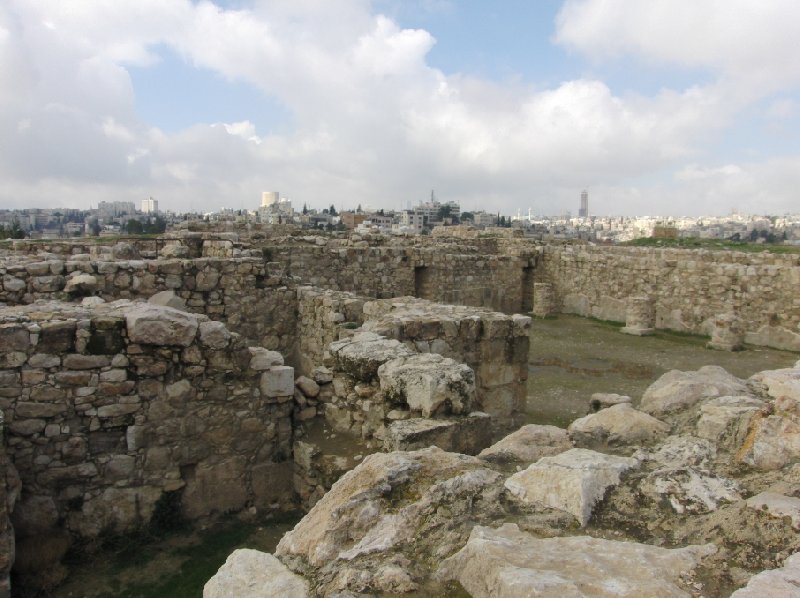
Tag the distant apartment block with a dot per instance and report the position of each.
(583, 211)
(150, 206)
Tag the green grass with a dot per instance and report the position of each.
(712, 244)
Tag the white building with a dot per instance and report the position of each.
(150, 206)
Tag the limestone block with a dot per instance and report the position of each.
(14, 337)
(772, 442)
(158, 325)
(307, 386)
(362, 354)
(639, 316)
(688, 489)
(118, 409)
(782, 385)
(168, 299)
(39, 410)
(727, 333)
(115, 510)
(174, 250)
(428, 383)
(618, 425)
(214, 335)
(509, 563)
(725, 420)
(322, 375)
(528, 444)
(777, 505)
(249, 573)
(677, 391)
(543, 299)
(77, 361)
(775, 582)
(43, 360)
(125, 251)
(463, 435)
(278, 381)
(82, 284)
(13, 284)
(680, 451)
(261, 359)
(572, 481)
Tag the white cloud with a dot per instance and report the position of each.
(373, 122)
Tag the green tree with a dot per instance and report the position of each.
(467, 216)
(305, 209)
(332, 211)
(12, 231)
(134, 227)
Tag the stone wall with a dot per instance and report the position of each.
(9, 492)
(689, 287)
(112, 408)
(252, 297)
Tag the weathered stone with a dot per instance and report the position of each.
(677, 391)
(42, 360)
(248, 573)
(356, 516)
(168, 299)
(640, 316)
(27, 427)
(726, 420)
(509, 563)
(216, 488)
(428, 383)
(261, 359)
(528, 444)
(782, 385)
(307, 386)
(618, 425)
(125, 251)
(775, 582)
(278, 381)
(777, 505)
(363, 353)
(157, 325)
(82, 284)
(214, 335)
(572, 481)
(727, 333)
(118, 409)
(688, 489)
(322, 375)
(463, 435)
(14, 337)
(77, 361)
(39, 410)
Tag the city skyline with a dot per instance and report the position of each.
(656, 108)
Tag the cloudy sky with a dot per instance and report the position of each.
(663, 107)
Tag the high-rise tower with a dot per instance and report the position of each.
(583, 212)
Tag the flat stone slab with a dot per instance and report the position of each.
(573, 481)
(249, 573)
(462, 435)
(363, 353)
(528, 444)
(509, 563)
(689, 490)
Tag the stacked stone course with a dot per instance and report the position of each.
(109, 407)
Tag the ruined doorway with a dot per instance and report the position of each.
(527, 290)
(423, 283)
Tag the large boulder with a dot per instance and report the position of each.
(782, 385)
(158, 325)
(677, 391)
(573, 481)
(528, 444)
(618, 425)
(168, 299)
(428, 383)
(726, 420)
(81, 284)
(509, 563)
(461, 435)
(689, 489)
(385, 522)
(249, 573)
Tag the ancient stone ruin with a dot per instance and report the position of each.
(203, 372)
